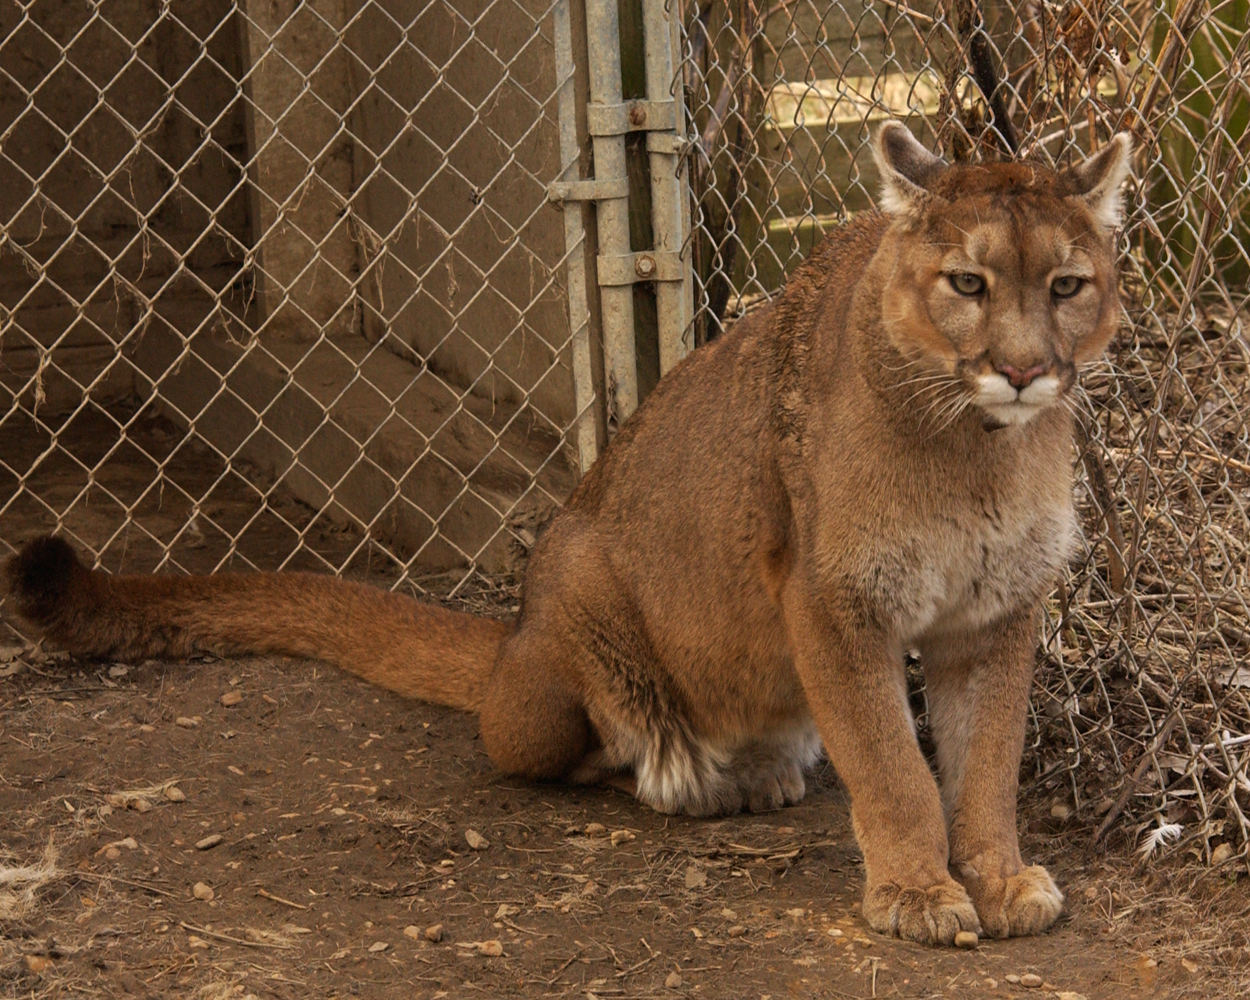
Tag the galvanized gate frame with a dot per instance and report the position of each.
(608, 118)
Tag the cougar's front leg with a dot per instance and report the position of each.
(978, 689)
(855, 688)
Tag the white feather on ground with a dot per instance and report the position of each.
(1159, 836)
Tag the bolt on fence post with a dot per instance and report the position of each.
(661, 24)
(574, 240)
(603, 39)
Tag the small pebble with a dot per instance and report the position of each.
(966, 939)
(202, 891)
(378, 946)
(475, 840)
(231, 698)
(491, 949)
(37, 963)
(673, 980)
(434, 933)
(696, 877)
(595, 830)
(737, 930)
(175, 794)
(185, 722)
(1012, 978)
(212, 840)
(118, 670)
(112, 852)
(1031, 980)
(621, 837)
(834, 932)
(1061, 811)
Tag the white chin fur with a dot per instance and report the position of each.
(1042, 391)
(1013, 413)
(996, 397)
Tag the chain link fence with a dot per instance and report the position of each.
(1141, 714)
(280, 286)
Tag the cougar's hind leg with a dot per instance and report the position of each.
(534, 721)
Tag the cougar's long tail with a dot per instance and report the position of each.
(416, 649)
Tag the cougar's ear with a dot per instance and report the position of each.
(1097, 180)
(906, 169)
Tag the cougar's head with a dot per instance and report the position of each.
(1002, 277)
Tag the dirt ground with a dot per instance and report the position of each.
(339, 820)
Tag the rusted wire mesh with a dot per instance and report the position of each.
(1141, 713)
(279, 283)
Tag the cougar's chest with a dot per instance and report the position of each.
(983, 560)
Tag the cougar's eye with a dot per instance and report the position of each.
(1066, 287)
(967, 284)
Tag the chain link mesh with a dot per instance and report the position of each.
(1140, 703)
(279, 285)
(279, 289)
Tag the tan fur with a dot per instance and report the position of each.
(847, 474)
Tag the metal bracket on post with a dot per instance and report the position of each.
(588, 190)
(646, 265)
(631, 116)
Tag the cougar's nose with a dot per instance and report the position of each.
(1020, 378)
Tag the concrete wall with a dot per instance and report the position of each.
(456, 141)
(105, 233)
(325, 249)
(299, 90)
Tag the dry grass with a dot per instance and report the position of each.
(1142, 718)
(20, 884)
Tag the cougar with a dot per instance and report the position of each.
(879, 461)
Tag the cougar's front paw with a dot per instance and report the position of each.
(1024, 903)
(932, 915)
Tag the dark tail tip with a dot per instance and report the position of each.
(42, 579)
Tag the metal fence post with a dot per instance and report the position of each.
(604, 55)
(574, 238)
(669, 203)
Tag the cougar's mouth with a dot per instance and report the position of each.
(1005, 405)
